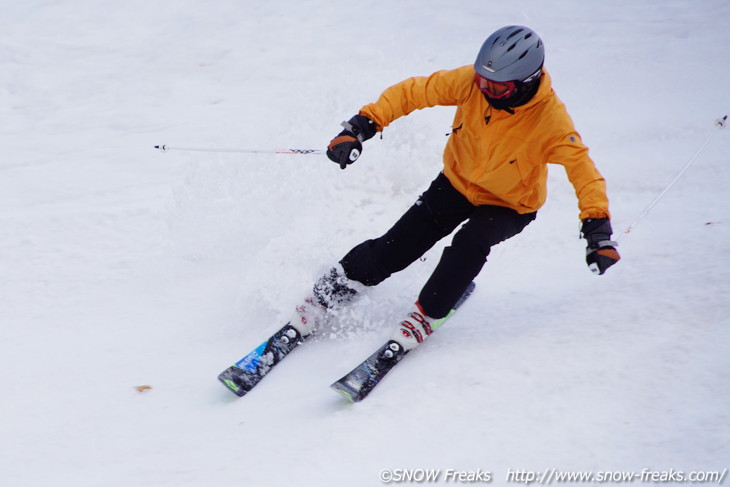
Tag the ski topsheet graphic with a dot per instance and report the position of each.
(242, 376)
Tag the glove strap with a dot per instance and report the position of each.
(600, 245)
(354, 131)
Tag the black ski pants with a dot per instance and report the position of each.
(436, 214)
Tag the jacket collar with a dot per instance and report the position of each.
(546, 87)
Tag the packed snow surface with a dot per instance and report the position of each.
(124, 267)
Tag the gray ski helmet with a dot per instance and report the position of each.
(512, 53)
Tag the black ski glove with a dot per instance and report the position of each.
(601, 252)
(347, 146)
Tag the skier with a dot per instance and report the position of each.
(509, 125)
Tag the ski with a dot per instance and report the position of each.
(356, 385)
(242, 376)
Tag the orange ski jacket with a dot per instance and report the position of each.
(494, 157)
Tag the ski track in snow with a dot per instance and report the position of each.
(123, 266)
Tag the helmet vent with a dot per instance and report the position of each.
(514, 33)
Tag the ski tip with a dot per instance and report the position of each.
(231, 384)
(345, 392)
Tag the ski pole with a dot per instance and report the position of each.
(719, 123)
(165, 148)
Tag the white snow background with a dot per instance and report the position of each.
(123, 266)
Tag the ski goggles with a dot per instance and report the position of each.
(499, 90)
(495, 89)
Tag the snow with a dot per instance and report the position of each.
(123, 266)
